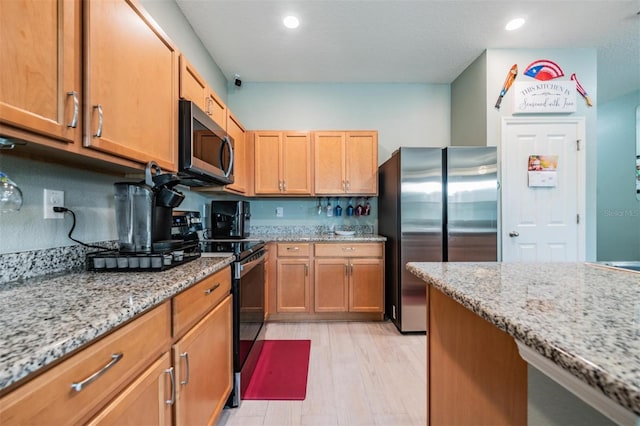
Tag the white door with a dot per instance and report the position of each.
(543, 224)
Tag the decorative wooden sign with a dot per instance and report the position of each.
(538, 97)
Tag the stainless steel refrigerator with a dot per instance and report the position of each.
(434, 205)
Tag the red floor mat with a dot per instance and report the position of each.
(281, 371)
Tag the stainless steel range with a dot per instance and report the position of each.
(248, 305)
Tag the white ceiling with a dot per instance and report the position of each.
(409, 41)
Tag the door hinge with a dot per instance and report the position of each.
(578, 219)
(578, 144)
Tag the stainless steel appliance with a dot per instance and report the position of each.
(205, 150)
(435, 205)
(230, 219)
(248, 305)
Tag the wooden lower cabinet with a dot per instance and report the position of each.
(203, 367)
(293, 291)
(135, 375)
(117, 358)
(147, 401)
(328, 281)
(349, 285)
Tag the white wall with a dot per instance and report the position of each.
(403, 114)
(617, 207)
(468, 98)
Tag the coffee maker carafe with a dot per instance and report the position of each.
(144, 212)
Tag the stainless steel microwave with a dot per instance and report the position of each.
(205, 151)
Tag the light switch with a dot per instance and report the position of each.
(279, 212)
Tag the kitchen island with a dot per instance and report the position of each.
(578, 323)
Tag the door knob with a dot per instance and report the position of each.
(514, 234)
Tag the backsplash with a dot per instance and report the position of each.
(29, 264)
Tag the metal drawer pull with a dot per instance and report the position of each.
(212, 289)
(172, 376)
(114, 359)
(306, 270)
(348, 248)
(293, 248)
(76, 107)
(98, 133)
(185, 355)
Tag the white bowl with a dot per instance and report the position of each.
(345, 233)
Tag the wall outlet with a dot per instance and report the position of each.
(53, 199)
(279, 211)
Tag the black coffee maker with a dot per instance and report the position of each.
(230, 219)
(144, 212)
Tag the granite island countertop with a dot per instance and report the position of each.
(45, 318)
(585, 318)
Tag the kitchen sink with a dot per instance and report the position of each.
(629, 265)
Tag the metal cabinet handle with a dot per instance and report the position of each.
(514, 234)
(280, 185)
(212, 289)
(76, 107)
(98, 134)
(185, 355)
(172, 376)
(344, 186)
(348, 185)
(293, 248)
(209, 103)
(81, 385)
(284, 186)
(306, 270)
(348, 249)
(346, 269)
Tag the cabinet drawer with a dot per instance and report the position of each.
(193, 303)
(349, 250)
(50, 398)
(293, 249)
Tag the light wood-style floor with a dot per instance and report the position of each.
(360, 373)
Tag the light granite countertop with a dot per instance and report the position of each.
(318, 238)
(42, 319)
(585, 318)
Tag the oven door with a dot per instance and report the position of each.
(248, 319)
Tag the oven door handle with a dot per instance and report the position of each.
(245, 268)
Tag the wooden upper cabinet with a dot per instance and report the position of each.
(362, 162)
(40, 83)
(192, 85)
(240, 156)
(346, 162)
(282, 163)
(195, 88)
(329, 157)
(267, 162)
(131, 83)
(216, 108)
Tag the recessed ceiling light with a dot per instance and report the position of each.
(291, 22)
(514, 24)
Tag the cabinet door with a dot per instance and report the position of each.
(296, 163)
(131, 78)
(216, 108)
(192, 86)
(366, 287)
(329, 162)
(292, 293)
(240, 169)
(147, 401)
(203, 366)
(331, 285)
(40, 79)
(362, 163)
(267, 162)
